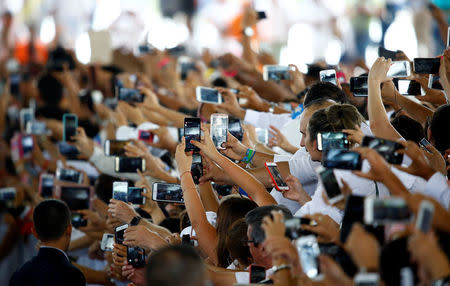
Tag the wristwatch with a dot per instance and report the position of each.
(135, 220)
(275, 269)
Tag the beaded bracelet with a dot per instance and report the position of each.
(248, 156)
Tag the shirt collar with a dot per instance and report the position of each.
(65, 254)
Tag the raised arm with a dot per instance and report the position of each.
(379, 121)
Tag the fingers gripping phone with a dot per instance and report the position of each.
(276, 177)
(330, 184)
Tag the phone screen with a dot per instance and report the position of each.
(257, 273)
(409, 87)
(120, 191)
(433, 82)
(196, 168)
(70, 126)
(36, 127)
(118, 233)
(235, 128)
(130, 164)
(277, 73)
(116, 147)
(262, 134)
(309, 252)
(341, 159)
(47, 184)
(334, 140)
(185, 68)
(382, 52)
(107, 242)
(67, 150)
(328, 76)
(27, 144)
(136, 256)
(219, 127)
(146, 135)
(390, 210)
(359, 86)
(399, 69)
(388, 149)
(168, 193)
(330, 184)
(7, 194)
(129, 94)
(427, 65)
(77, 198)
(191, 132)
(78, 220)
(135, 196)
(68, 175)
(277, 176)
(210, 95)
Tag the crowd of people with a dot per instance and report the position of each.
(171, 169)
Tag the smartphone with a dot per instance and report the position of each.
(260, 15)
(275, 174)
(111, 103)
(69, 175)
(294, 228)
(165, 192)
(276, 73)
(448, 37)
(46, 185)
(134, 196)
(359, 86)
(409, 87)
(7, 195)
(341, 159)
(434, 83)
(147, 136)
(387, 54)
(136, 256)
(191, 132)
(427, 65)
(129, 94)
(208, 95)
(219, 128)
(196, 168)
(184, 66)
(424, 144)
(328, 76)
(78, 220)
(186, 240)
(118, 233)
(120, 191)
(180, 132)
(107, 243)
(367, 279)
(330, 184)
(309, 252)
(69, 151)
(36, 127)
(332, 140)
(129, 164)
(235, 128)
(386, 148)
(385, 211)
(14, 82)
(399, 69)
(76, 198)
(263, 135)
(70, 125)
(26, 143)
(177, 51)
(425, 216)
(115, 147)
(257, 273)
(26, 115)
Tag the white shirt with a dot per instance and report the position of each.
(438, 188)
(304, 169)
(125, 132)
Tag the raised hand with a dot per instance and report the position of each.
(379, 70)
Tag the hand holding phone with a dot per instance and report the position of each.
(191, 132)
(70, 125)
(276, 177)
(219, 129)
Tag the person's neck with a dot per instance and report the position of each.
(55, 244)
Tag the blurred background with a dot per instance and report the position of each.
(295, 31)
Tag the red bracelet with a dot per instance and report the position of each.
(181, 176)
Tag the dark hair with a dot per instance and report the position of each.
(255, 217)
(439, 128)
(237, 233)
(171, 223)
(175, 265)
(324, 90)
(230, 210)
(50, 89)
(395, 256)
(51, 218)
(409, 128)
(334, 118)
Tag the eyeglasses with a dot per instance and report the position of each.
(245, 242)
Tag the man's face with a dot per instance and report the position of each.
(306, 115)
(254, 251)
